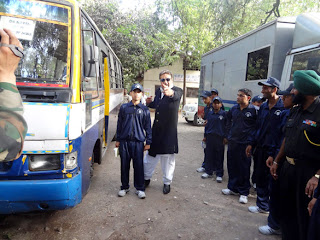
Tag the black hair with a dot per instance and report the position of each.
(246, 91)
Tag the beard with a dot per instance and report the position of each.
(299, 99)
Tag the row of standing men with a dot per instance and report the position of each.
(283, 137)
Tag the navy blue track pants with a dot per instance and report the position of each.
(132, 150)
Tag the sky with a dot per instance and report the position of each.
(127, 5)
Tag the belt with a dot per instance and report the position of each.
(291, 160)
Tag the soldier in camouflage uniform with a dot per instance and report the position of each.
(13, 127)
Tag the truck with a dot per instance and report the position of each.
(275, 49)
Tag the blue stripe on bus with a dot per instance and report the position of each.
(97, 103)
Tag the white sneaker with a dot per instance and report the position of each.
(123, 192)
(256, 209)
(266, 230)
(206, 175)
(201, 169)
(227, 191)
(243, 199)
(141, 194)
(219, 179)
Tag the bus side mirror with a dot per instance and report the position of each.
(90, 60)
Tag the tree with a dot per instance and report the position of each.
(144, 39)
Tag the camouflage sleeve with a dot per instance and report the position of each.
(13, 127)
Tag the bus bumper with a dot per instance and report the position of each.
(18, 196)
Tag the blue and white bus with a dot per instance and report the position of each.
(71, 84)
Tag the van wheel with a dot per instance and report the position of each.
(188, 121)
(198, 121)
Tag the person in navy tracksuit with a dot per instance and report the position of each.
(206, 98)
(266, 141)
(274, 218)
(133, 129)
(241, 122)
(215, 139)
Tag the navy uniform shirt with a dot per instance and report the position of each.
(216, 123)
(301, 126)
(241, 123)
(133, 120)
(268, 128)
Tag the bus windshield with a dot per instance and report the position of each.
(44, 30)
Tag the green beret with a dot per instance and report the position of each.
(307, 82)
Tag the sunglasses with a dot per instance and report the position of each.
(165, 79)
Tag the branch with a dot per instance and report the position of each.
(274, 10)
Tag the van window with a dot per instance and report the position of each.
(306, 61)
(257, 64)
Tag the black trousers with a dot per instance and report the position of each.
(293, 200)
(263, 178)
(238, 168)
(132, 150)
(214, 155)
(314, 229)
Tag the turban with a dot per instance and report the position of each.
(307, 82)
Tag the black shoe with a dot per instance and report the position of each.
(146, 183)
(166, 189)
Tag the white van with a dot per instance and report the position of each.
(275, 49)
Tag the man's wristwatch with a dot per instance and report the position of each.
(317, 176)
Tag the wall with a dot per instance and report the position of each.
(151, 79)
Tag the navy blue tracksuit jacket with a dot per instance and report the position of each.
(133, 129)
(240, 124)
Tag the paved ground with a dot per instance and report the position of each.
(195, 208)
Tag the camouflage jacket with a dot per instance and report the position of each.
(13, 127)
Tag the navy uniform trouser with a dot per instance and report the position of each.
(314, 229)
(238, 168)
(263, 178)
(132, 150)
(214, 155)
(274, 204)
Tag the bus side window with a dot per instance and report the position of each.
(90, 58)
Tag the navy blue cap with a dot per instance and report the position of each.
(257, 98)
(214, 90)
(136, 86)
(287, 91)
(217, 98)
(271, 82)
(205, 94)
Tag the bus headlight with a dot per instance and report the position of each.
(44, 162)
(71, 160)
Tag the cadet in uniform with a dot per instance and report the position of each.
(300, 153)
(241, 122)
(215, 139)
(206, 97)
(266, 141)
(133, 121)
(164, 130)
(13, 127)
(273, 226)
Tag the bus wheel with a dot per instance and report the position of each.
(92, 165)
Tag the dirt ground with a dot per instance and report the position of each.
(194, 209)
